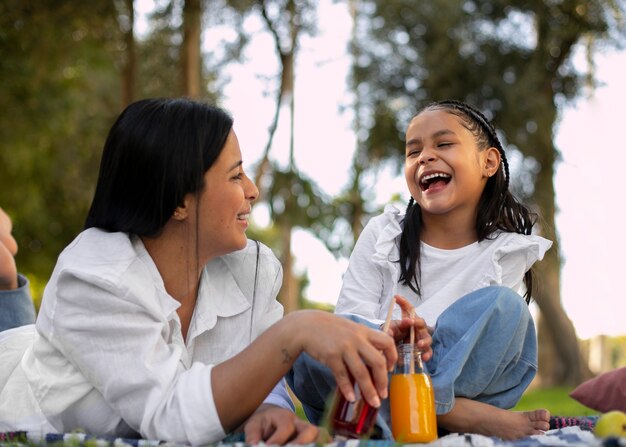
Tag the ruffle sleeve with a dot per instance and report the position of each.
(386, 252)
(513, 256)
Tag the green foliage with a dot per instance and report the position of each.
(57, 63)
(294, 199)
(60, 65)
(510, 58)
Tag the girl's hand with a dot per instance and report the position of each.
(276, 425)
(400, 329)
(350, 349)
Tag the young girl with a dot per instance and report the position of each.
(160, 318)
(461, 254)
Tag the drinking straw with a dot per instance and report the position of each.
(412, 330)
(389, 312)
(412, 342)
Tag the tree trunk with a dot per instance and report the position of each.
(285, 88)
(355, 195)
(190, 49)
(288, 294)
(560, 359)
(128, 71)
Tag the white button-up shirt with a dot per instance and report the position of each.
(108, 355)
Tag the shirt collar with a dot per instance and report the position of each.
(168, 303)
(219, 295)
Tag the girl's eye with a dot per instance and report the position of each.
(239, 176)
(444, 144)
(413, 153)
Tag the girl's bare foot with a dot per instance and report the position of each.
(470, 416)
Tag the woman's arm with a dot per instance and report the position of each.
(104, 331)
(240, 384)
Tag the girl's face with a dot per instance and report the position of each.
(224, 204)
(444, 170)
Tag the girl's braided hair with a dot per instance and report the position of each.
(498, 209)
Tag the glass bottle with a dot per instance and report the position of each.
(412, 398)
(351, 420)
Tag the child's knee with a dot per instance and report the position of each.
(509, 302)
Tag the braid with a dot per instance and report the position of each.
(411, 203)
(410, 247)
(498, 209)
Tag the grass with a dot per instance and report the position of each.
(556, 400)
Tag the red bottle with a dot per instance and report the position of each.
(353, 420)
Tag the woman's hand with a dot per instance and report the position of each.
(400, 330)
(349, 349)
(275, 425)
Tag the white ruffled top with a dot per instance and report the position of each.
(371, 280)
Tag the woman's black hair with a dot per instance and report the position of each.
(498, 209)
(156, 152)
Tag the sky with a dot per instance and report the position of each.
(588, 184)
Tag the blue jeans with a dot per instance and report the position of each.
(484, 348)
(16, 306)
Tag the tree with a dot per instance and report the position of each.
(285, 20)
(60, 62)
(191, 59)
(126, 20)
(512, 59)
(57, 64)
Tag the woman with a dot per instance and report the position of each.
(145, 323)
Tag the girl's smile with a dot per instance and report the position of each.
(431, 182)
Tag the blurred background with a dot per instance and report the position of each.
(321, 92)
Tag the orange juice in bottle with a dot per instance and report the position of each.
(412, 399)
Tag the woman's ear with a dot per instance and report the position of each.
(491, 161)
(181, 212)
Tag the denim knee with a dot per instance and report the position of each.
(484, 348)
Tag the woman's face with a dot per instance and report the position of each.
(225, 202)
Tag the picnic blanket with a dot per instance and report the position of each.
(563, 432)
